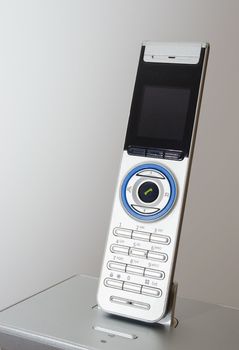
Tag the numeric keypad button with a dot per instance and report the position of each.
(154, 274)
(119, 249)
(135, 270)
(160, 239)
(141, 236)
(122, 232)
(132, 287)
(113, 283)
(153, 292)
(116, 266)
(157, 256)
(139, 253)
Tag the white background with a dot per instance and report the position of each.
(67, 71)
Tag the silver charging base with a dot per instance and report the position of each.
(169, 319)
(64, 317)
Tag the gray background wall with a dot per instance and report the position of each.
(67, 71)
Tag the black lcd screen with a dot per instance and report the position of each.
(163, 112)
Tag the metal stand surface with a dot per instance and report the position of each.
(66, 317)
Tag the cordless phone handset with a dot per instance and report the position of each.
(141, 249)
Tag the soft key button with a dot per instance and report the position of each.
(153, 292)
(140, 305)
(122, 232)
(135, 270)
(119, 249)
(145, 210)
(154, 274)
(160, 239)
(142, 236)
(132, 287)
(151, 173)
(139, 253)
(157, 256)
(113, 283)
(116, 266)
(128, 302)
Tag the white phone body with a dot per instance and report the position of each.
(141, 249)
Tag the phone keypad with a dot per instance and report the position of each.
(136, 255)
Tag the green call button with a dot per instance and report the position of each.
(148, 192)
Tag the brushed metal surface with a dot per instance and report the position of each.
(65, 317)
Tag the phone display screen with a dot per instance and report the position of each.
(163, 112)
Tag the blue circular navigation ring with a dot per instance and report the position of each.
(166, 209)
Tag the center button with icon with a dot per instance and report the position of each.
(148, 192)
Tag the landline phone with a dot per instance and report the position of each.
(141, 250)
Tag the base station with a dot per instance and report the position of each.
(66, 317)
